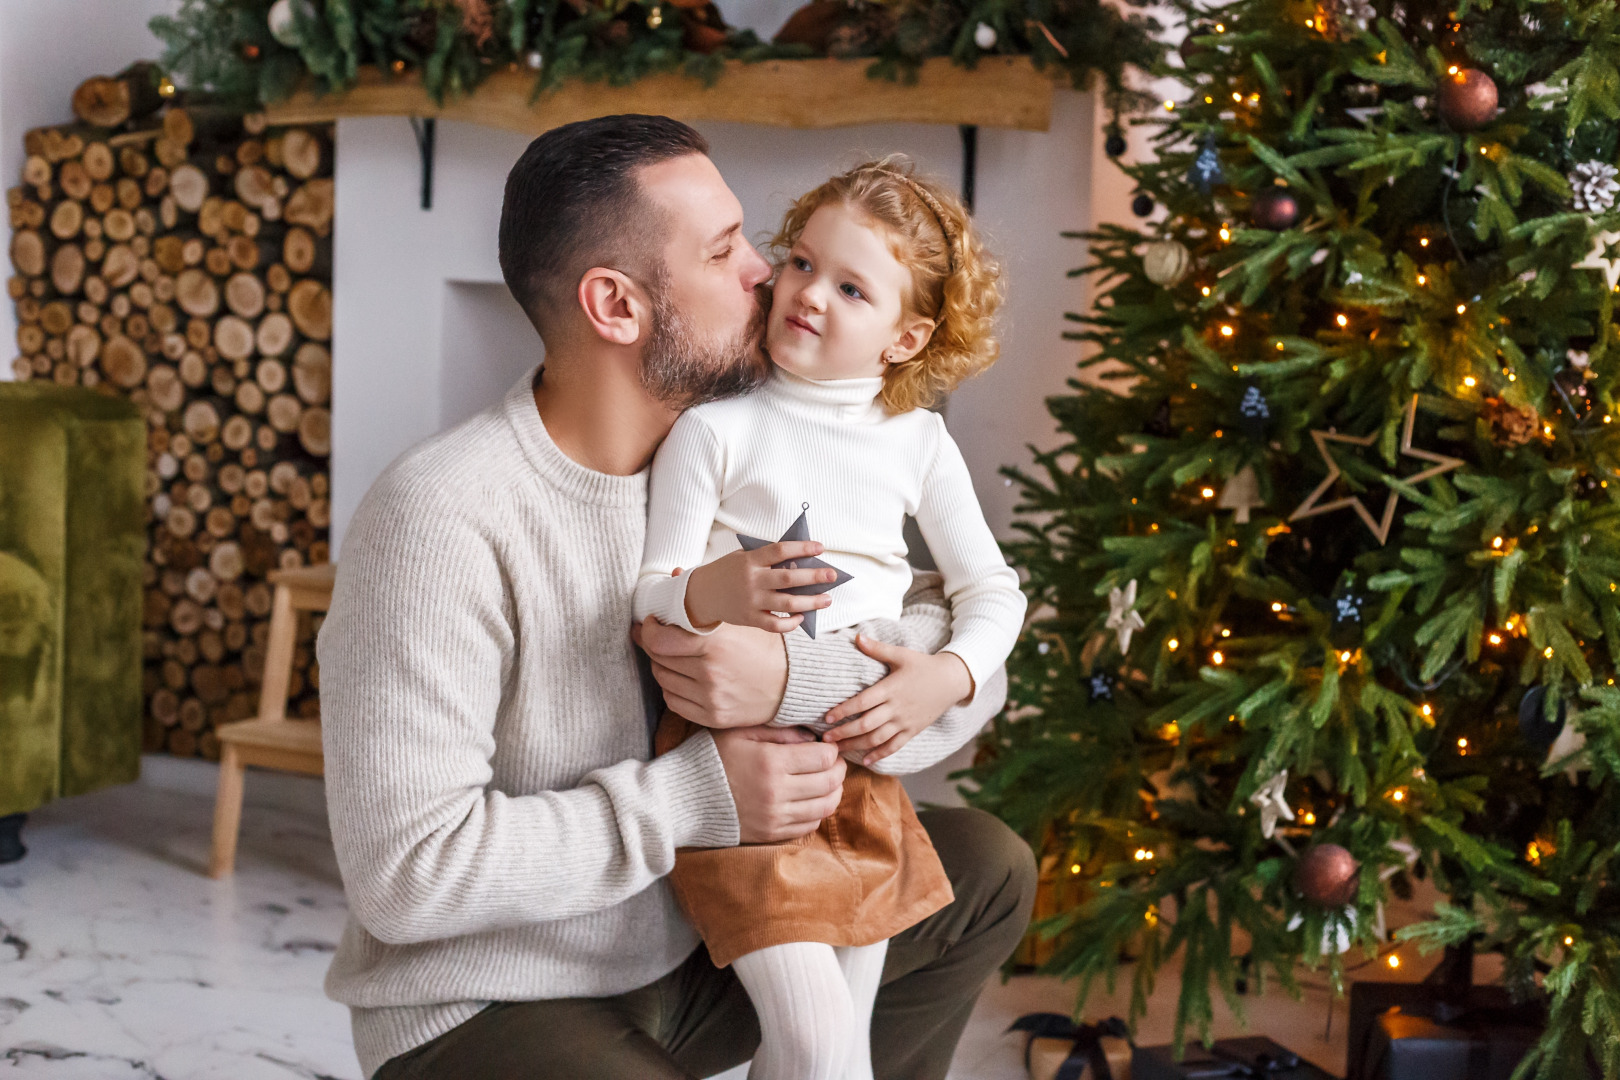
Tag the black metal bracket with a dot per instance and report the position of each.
(970, 162)
(425, 130)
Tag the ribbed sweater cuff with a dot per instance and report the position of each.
(979, 655)
(664, 598)
(813, 687)
(693, 789)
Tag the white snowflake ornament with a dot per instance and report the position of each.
(1594, 187)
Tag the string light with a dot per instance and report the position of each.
(1568, 940)
(1421, 280)
(1226, 233)
(1399, 795)
(1280, 346)
(1217, 657)
(1343, 320)
(1470, 382)
(1496, 543)
(1461, 308)
(1208, 493)
(1173, 644)
(1462, 744)
(1143, 855)
(1496, 639)
(1220, 28)
(1169, 106)
(1205, 289)
(1423, 242)
(1075, 869)
(1547, 652)
(1227, 330)
(1309, 818)
(1394, 960)
(1344, 657)
(1227, 633)
(1427, 710)
(1236, 96)
(1275, 606)
(1452, 70)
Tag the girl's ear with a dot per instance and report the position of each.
(914, 334)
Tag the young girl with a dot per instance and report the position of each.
(882, 303)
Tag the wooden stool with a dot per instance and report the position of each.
(271, 741)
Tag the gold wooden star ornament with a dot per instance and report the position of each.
(1379, 527)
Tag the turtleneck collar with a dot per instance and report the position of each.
(851, 397)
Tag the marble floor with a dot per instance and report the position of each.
(118, 958)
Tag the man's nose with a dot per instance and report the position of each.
(756, 271)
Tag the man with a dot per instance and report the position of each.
(501, 830)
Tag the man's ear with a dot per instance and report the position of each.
(914, 334)
(614, 307)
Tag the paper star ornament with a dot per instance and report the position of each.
(1604, 256)
(1273, 805)
(800, 530)
(1121, 619)
(1312, 506)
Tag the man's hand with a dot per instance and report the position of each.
(782, 780)
(917, 690)
(734, 677)
(744, 589)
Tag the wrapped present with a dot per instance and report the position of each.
(1060, 1049)
(1417, 1031)
(1251, 1057)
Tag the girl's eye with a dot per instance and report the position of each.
(851, 291)
(800, 263)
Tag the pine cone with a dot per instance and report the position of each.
(1594, 187)
(1510, 425)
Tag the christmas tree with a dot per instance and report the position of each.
(1325, 569)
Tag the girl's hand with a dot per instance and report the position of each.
(888, 714)
(744, 590)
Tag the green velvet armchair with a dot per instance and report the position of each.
(72, 546)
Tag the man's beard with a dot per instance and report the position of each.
(680, 369)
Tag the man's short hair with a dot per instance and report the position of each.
(573, 202)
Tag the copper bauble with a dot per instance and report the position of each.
(1275, 208)
(1165, 262)
(1467, 99)
(1327, 875)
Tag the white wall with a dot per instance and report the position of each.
(406, 336)
(47, 47)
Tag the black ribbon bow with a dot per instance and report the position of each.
(1087, 1039)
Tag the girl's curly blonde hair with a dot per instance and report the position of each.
(954, 281)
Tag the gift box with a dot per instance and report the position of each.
(1407, 1031)
(1060, 1049)
(1252, 1057)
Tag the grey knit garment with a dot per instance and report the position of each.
(501, 831)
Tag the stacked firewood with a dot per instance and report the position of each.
(182, 257)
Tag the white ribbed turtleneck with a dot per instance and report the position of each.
(748, 465)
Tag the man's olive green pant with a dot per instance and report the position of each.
(697, 1021)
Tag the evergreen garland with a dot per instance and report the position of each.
(1428, 260)
(226, 48)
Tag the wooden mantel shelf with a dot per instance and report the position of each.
(1003, 91)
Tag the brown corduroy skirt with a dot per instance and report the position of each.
(865, 874)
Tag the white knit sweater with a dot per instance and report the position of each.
(501, 831)
(748, 464)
